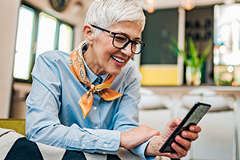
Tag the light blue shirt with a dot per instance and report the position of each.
(55, 118)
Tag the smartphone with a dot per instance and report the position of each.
(192, 118)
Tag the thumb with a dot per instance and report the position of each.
(174, 123)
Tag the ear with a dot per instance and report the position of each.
(88, 33)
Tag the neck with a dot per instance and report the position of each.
(92, 62)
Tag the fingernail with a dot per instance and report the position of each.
(174, 144)
(184, 133)
(178, 138)
(193, 128)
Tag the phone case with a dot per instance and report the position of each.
(192, 118)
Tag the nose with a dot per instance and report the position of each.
(127, 50)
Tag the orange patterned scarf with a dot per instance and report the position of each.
(77, 67)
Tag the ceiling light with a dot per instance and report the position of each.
(151, 5)
(188, 4)
(153, 2)
(229, 1)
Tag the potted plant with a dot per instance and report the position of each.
(193, 61)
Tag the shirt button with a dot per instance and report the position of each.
(105, 145)
(83, 145)
(104, 153)
(96, 127)
(95, 108)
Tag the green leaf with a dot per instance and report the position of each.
(174, 41)
(174, 46)
(193, 60)
(206, 53)
(193, 52)
(174, 49)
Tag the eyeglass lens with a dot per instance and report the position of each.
(121, 41)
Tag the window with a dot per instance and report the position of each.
(23, 45)
(46, 33)
(38, 32)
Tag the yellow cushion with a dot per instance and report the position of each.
(15, 124)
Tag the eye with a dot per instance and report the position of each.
(121, 38)
(136, 42)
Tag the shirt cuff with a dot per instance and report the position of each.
(140, 151)
(108, 142)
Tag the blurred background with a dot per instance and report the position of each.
(31, 27)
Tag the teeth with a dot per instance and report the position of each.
(117, 59)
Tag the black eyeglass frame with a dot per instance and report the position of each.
(125, 45)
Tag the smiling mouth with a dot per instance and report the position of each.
(117, 59)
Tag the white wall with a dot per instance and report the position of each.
(8, 29)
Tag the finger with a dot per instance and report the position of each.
(195, 129)
(174, 123)
(180, 151)
(177, 121)
(185, 144)
(189, 135)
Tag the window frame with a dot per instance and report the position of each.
(35, 37)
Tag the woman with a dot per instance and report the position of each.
(67, 107)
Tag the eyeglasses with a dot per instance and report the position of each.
(121, 41)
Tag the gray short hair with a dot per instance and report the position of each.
(105, 13)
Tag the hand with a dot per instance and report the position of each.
(137, 136)
(187, 137)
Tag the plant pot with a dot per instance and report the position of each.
(193, 76)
